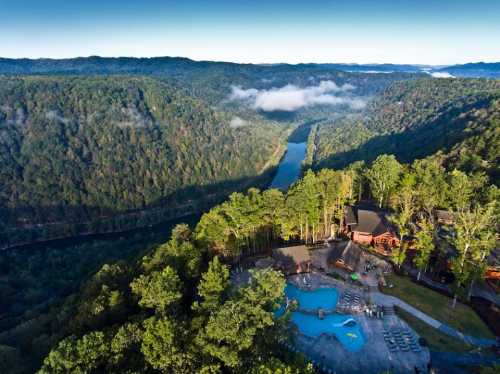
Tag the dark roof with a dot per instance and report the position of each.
(350, 216)
(337, 250)
(348, 252)
(291, 256)
(370, 222)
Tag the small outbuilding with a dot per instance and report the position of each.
(292, 260)
(346, 255)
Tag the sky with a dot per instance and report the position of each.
(437, 32)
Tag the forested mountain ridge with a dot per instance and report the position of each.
(410, 104)
(76, 149)
(474, 69)
(417, 118)
(208, 80)
(178, 309)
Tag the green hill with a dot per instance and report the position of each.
(418, 118)
(83, 149)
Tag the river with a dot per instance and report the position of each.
(63, 265)
(290, 166)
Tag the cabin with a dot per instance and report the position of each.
(292, 260)
(346, 255)
(369, 227)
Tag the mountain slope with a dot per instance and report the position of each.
(476, 69)
(415, 119)
(210, 81)
(78, 149)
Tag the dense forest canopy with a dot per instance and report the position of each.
(112, 144)
(177, 310)
(100, 149)
(79, 148)
(418, 118)
(212, 82)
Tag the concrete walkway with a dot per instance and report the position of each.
(391, 301)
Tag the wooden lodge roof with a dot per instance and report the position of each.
(365, 221)
(291, 256)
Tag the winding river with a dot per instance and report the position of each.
(290, 166)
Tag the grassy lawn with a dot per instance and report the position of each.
(463, 318)
(436, 340)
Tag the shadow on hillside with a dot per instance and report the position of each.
(279, 116)
(33, 224)
(440, 134)
(301, 132)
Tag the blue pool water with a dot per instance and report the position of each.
(324, 298)
(349, 335)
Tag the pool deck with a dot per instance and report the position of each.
(374, 357)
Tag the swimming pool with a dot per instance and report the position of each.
(324, 298)
(349, 335)
(344, 327)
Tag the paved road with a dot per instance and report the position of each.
(387, 300)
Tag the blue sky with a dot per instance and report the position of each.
(362, 31)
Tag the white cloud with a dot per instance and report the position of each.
(14, 117)
(237, 93)
(290, 97)
(55, 116)
(131, 117)
(237, 122)
(443, 74)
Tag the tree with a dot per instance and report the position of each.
(276, 366)
(266, 289)
(303, 197)
(424, 245)
(465, 190)
(162, 347)
(235, 332)
(430, 186)
(125, 345)
(213, 232)
(79, 356)
(213, 286)
(357, 170)
(398, 255)
(328, 189)
(158, 290)
(383, 176)
(405, 205)
(474, 239)
(273, 205)
(179, 252)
